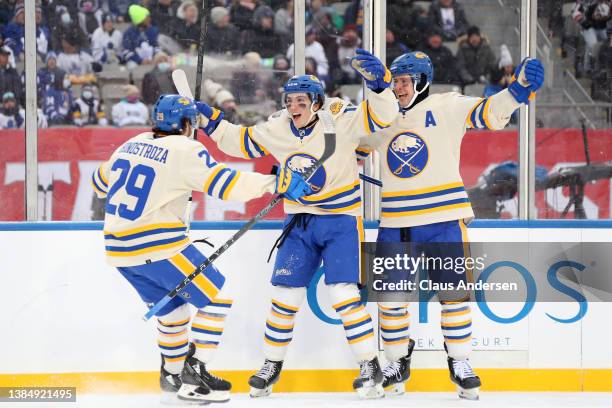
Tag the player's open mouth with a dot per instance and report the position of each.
(296, 116)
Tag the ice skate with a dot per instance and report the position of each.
(200, 385)
(261, 382)
(461, 373)
(396, 373)
(369, 383)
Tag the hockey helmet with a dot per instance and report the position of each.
(170, 110)
(417, 65)
(308, 84)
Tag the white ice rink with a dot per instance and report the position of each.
(321, 400)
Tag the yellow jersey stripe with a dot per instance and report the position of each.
(428, 210)
(146, 228)
(150, 249)
(335, 191)
(424, 190)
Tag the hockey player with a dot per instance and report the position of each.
(423, 198)
(325, 226)
(147, 182)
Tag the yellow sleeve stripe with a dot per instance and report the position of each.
(101, 174)
(366, 125)
(231, 185)
(212, 176)
(423, 190)
(485, 114)
(375, 118)
(215, 114)
(468, 120)
(96, 188)
(242, 143)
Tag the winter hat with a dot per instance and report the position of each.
(252, 59)
(131, 90)
(138, 14)
(223, 96)
(505, 58)
(217, 13)
(19, 9)
(180, 12)
(473, 30)
(50, 55)
(7, 96)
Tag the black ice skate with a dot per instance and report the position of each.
(369, 382)
(200, 385)
(397, 373)
(261, 382)
(169, 384)
(461, 373)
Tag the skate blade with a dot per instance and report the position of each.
(172, 399)
(258, 392)
(468, 394)
(395, 389)
(188, 393)
(371, 392)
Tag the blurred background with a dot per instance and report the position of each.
(101, 65)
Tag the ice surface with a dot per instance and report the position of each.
(339, 400)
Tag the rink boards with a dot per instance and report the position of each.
(69, 319)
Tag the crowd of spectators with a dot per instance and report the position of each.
(584, 28)
(77, 40)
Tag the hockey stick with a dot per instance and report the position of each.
(329, 149)
(198, 87)
(182, 86)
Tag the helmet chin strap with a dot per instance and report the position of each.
(416, 94)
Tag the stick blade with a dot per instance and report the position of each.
(179, 77)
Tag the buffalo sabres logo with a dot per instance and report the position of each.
(301, 163)
(184, 101)
(407, 155)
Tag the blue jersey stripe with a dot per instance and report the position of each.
(215, 180)
(144, 233)
(227, 183)
(424, 195)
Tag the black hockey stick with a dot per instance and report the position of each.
(198, 87)
(329, 149)
(198, 91)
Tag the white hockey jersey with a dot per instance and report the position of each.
(147, 182)
(336, 184)
(420, 156)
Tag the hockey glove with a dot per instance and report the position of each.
(291, 185)
(528, 78)
(209, 117)
(377, 77)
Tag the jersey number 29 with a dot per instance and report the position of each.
(129, 179)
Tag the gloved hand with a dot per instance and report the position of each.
(528, 78)
(291, 185)
(209, 117)
(377, 77)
